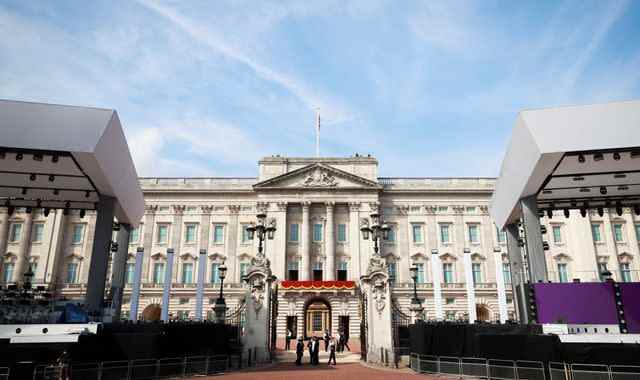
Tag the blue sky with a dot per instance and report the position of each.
(429, 88)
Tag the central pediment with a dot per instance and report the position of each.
(317, 176)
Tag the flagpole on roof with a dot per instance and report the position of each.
(318, 135)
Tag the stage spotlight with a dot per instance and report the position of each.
(65, 211)
(87, 194)
(623, 187)
(574, 204)
(37, 157)
(545, 246)
(603, 190)
(39, 203)
(82, 213)
(32, 177)
(24, 191)
(52, 178)
(11, 210)
(28, 210)
(583, 212)
(636, 209)
(67, 205)
(3, 154)
(543, 229)
(619, 209)
(635, 153)
(19, 157)
(600, 211)
(56, 191)
(566, 212)
(54, 158)
(581, 158)
(46, 211)
(616, 156)
(549, 213)
(598, 157)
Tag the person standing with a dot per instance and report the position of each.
(315, 351)
(326, 337)
(332, 351)
(310, 347)
(287, 345)
(345, 341)
(299, 351)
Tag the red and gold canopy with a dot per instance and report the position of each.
(318, 285)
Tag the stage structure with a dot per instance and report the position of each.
(577, 159)
(72, 158)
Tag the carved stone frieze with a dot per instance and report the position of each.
(206, 209)
(403, 209)
(262, 207)
(233, 209)
(430, 209)
(178, 209)
(319, 178)
(484, 210)
(150, 209)
(458, 209)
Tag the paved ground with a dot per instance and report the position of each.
(349, 371)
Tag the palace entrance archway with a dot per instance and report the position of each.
(317, 317)
(152, 313)
(482, 313)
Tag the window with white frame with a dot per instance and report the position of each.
(341, 273)
(38, 231)
(618, 232)
(218, 234)
(625, 272)
(416, 232)
(420, 279)
(72, 273)
(317, 232)
(501, 235)
(292, 269)
(506, 273)
(563, 272)
(129, 273)
(342, 233)
(163, 234)
(134, 236)
(214, 275)
(474, 235)
(557, 233)
(447, 273)
(392, 271)
(602, 268)
(158, 273)
(245, 234)
(317, 271)
(190, 231)
(476, 270)
(187, 273)
(7, 271)
(77, 234)
(637, 227)
(16, 232)
(294, 232)
(595, 232)
(244, 267)
(445, 230)
(391, 236)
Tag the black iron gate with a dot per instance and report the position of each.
(363, 326)
(401, 339)
(273, 319)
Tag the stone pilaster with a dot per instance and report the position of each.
(354, 240)
(330, 246)
(176, 238)
(233, 265)
(25, 248)
(147, 238)
(305, 238)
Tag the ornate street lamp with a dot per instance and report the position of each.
(220, 308)
(262, 230)
(377, 229)
(414, 276)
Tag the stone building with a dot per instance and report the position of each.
(441, 225)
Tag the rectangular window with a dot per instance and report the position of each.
(443, 208)
(595, 232)
(7, 272)
(473, 233)
(316, 321)
(342, 233)
(134, 236)
(638, 231)
(506, 273)
(158, 273)
(292, 269)
(214, 276)
(420, 279)
(317, 232)
(72, 273)
(187, 273)
(293, 232)
(392, 271)
(563, 275)
(625, 272)
(78, 231)
(190, 233)
(245, 233)
(16, 232)
(470, 209)
(502, 235)
(130, 272)
(183, 315)
(602, 267)
(34, 267)
(477, 273)
(38, 231)
(317, 271)
(444, 233)
(163, 233)
(392, 234)
(244, 267)
(450, 301)
(417, 233)
(218, 234)
(617, 233)
(447, 273)
(342, 271)
(557, 235)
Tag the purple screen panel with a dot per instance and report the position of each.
(576, 303)
(631, 300)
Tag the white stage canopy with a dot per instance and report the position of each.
(55, 156)
(576, 157)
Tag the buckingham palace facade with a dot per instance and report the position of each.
(440, 225)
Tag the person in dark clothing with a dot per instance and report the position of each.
(315, 351)
(326, 338)
(299, 351)
(344, 341)
(332, 350)
(287, 345)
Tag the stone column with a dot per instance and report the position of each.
(4, 233)
(535, 253)
(305, 239)
(202, 259)
(502, 294)
(354, 240)
(147, 238)
(231, 243)
(25, 247)
(518, 277)
(279, 251)
(206, 233)
(436, 275)
(176, 237)
(100, 255)
(471, 290)
(135, 290)
(167, 285)
(119, 265)
(259, 280)
(612, 245)
(56, 247)
(330, 246)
